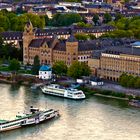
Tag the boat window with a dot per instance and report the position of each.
(77, 93)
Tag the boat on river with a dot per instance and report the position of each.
(135, 103)
(35, 116)
(57, 90)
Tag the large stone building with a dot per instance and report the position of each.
(52, 49)
(112, 62)
(16, 37)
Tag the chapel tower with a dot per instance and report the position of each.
(28, 36)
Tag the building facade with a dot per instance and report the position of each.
(17, 37)
(51, 50)
(115, 61)
(45, 72)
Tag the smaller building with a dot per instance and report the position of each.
(95, 81)
(136, 44)
(45, 72)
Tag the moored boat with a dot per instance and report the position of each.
(57, 90)
(35, 116)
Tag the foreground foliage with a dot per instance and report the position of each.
(126, 27)
(60, 68)
(127, 80)
(77, 69)
(36, 65)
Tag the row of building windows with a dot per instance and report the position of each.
(83, 57)
(11, 38)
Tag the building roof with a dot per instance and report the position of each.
(137, 43)
(45, 68)
(61, 46)
(72, 39)
(105, 6)
(11, 35)
(86, 46)
(36, 43)
(113, 46)
(95, 79)
(123, 50)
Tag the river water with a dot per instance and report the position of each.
(95, 118)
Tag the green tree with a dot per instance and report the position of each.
(5, 24)
(107, 18)
(131, 81)
(82, 24)
(123, 79)
(78, 69)
(47, 20)
(1, 41)
(36, 65)
(81, 36)
(137, 83)
(85, 69)
(91, 36)
(1, 29)
(59, 68)
(14, 65)
(65, 19)
(118, 16)
(95, 19)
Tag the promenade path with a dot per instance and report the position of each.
(117, 88)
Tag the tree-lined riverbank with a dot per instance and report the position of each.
(94, 91)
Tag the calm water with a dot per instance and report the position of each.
(96, 118)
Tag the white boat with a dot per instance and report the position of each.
(57, 90)
(35, 116)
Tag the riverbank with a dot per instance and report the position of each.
(114, 97)
(19, 79)
(107, 93)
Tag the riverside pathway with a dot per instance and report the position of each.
(118, 88)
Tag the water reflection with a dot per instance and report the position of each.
(95, 118)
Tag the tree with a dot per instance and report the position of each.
(5, 24)
(91, 36)
(36, 65)
(107, 18)
(81, 36)
(65, 19)
(82, 24)
(95, 19)
(131, 81)
(78, 69)
(137, 83)
(59, 68)
(47, 20)
(1, 41)
(14, 65)
(85, 69)
(118, 16)
(123, 79)
(9, 50)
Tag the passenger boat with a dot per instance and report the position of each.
(57, 90)
(35, 116)
(135, 103)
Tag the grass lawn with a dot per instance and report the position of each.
(25, 71)
(2, 68)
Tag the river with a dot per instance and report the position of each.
(95, 118)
